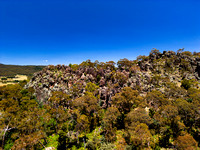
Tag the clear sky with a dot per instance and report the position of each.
(41, 32)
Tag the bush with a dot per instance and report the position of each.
(188, 53)
(186, 84)
(186, 142)
(3, 78)
(90, 145)
(52, 141)
(108, 146)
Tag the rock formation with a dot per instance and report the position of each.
(145, 74)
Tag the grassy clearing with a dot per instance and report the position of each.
(12, 80)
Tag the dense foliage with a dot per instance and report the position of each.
(77, 119)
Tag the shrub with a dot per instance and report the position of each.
(188, 53)
(4, 78)
(186, 142)
(186, 84)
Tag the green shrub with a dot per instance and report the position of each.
(52, 141)
(186, 84)
(108, 146)
(8, 145)
(4, 78)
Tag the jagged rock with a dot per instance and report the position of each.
(152, 73)
(102, 81)
(83, 77)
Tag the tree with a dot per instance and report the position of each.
(9, 109)
(91, 87)
(185, 110)
(124, 63)
(57, 112)
(86, 104)
(120, 142)
(180, 50)
(167, 119)
(120, 78)
(83, 123)
(12, 91)
(142, 58)
(141, 136)
(60, 99)
(154, 51)
(125, 100)
(110, 122)
(186, 142)
(156, 99)
(111, 64)
(137, 116)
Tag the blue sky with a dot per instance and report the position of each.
(41, 32)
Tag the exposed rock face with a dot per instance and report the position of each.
(147, 74)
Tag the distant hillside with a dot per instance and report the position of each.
(12, 70)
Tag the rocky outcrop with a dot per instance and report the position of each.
(146, 74)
